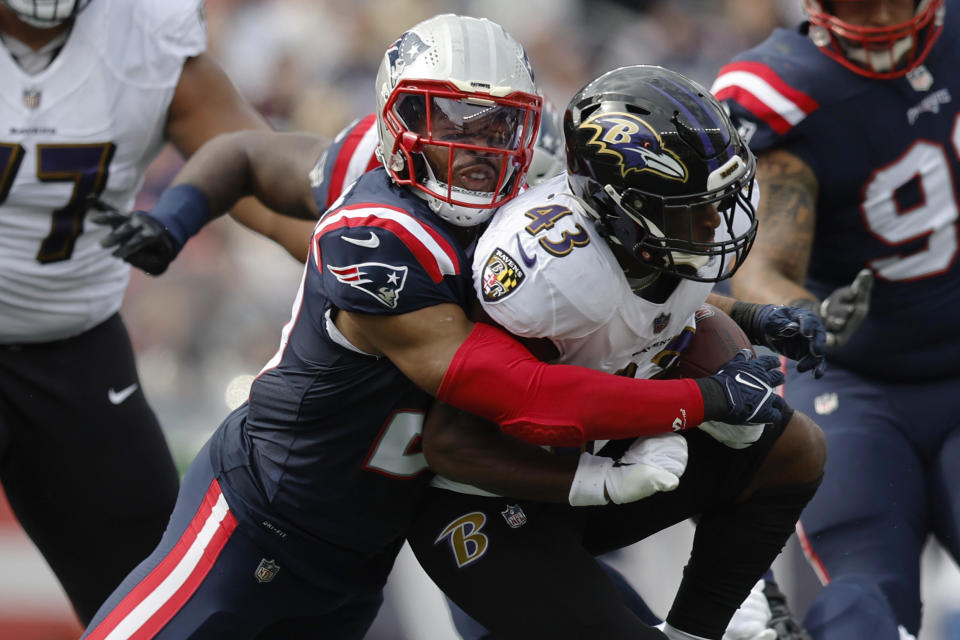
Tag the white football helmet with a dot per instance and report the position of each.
(456, 103)
(549, 156)
(45, 13)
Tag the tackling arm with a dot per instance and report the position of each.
(469, 449)
(483, 370)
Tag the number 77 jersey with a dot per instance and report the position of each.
(88, 124)
(886, 155)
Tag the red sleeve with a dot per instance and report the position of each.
(494, 376)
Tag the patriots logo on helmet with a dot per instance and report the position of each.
(403, 52)
(382, 281)
(634, 144)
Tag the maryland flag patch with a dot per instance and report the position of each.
(501, 276)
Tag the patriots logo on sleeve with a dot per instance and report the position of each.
(634, 144)
(382, 281)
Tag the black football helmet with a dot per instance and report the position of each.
(647, 148)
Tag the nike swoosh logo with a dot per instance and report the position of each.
(747, 383)
(116, 397)
(370, 243)
(527, 260)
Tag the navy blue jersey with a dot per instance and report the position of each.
(887, 157)
(329, 439)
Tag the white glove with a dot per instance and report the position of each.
(750, 621)
(651, 464)
(735, 436)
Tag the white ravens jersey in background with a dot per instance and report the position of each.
(90, 123)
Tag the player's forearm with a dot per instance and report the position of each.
(764, 284)
(270, 166)
(494, 376)
(467, 449)
(776, 269)
(293, 234)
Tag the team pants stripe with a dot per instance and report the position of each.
(151, 604)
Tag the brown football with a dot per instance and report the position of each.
(717, 339)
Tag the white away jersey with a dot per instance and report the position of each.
(90, 123)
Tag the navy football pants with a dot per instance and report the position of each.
(892, 478)
(207, 579)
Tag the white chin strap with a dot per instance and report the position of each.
(455, 214)
(880, 61)
(43, 14)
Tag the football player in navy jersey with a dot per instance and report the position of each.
(91, 90)
(290, 517)
(854, 121)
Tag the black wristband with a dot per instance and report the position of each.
(715, 403)
(744, 314)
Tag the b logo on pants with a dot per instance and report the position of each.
(466, 541)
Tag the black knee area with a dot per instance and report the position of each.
(732, 548)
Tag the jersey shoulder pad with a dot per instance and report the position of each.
(385, 259)
(772, 89)
(146, 42)
(540, 269)
(352, 153)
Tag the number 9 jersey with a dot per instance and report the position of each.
(87, 125)
(887, 157)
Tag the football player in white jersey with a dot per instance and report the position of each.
(606, 267)
(90, 90)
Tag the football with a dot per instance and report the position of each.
(717, 339)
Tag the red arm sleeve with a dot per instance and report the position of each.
(494, 376)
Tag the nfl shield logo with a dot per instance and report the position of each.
(920, 78)
(267, 570)
(660, 322)
(826, 403)
(514, 516)
(31, 98)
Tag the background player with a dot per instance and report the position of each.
(84, 112)
(839, 198)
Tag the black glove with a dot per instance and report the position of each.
(151, 240)
(743, 391)
(794, 331)
(139, 239)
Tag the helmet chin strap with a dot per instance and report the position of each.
(880, 61)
